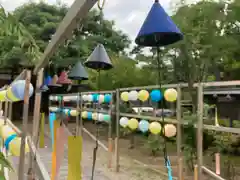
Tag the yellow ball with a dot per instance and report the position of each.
(133, 124)
(95, 116)
(124, 96)
(11, 96)
(170, 95)
(74, 113)
(84, 114)
(143, 95)
(15, 146)
(155, 128)
(170, 130)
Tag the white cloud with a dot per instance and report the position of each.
(128, 14)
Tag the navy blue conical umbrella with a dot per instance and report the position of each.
(158, 29)
(78, 72)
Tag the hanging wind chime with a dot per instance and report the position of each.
(159, 30)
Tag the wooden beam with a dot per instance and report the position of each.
(75, 14)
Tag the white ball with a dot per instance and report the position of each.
(101, 98)
(100, 117)
(133, 95)
(84, 97)
(123, 121)
(170, 130)
(90, 98)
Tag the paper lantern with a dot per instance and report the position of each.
(106, 118)
(63, 78)
(3, 95)
(54, 80)
(170, 130)
(143, 95)
(66, 98)
(47, 80)
(95, 116)
(6, 131)
(18, 89)
(95, 97)
(170, 95)
(89, 115)
(101, 117)
(101, 98)
(74, 113)
(143, 126)
(11, 96)
(51, 98)
(78, 72)
(84, 114)
(85, 97)
(133, 124)
(124, 96)
(133, 96)
(53, 109)
(156, 95)
(15, 146)
(123, 121)
(90, 98)
(107, 98)
(155, 128)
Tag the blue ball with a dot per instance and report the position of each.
(18, 89)
(95, 97)
(89, 115)
(156, 95)
(107, 98)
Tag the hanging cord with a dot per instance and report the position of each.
(160, 77)
(97, 131)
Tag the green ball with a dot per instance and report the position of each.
(106, 117)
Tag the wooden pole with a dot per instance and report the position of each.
(179, 134)
(25, 124)
(36, 119)
(110, 145)
(5, 112)
(80, 114)
(10, 110)
(78, 128)
(195, 172)
(117, 166)
(200, 131)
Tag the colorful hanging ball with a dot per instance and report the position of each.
(170, 95)
(155, 128)
(85, 97)
(143, 126)
(133, 95)
(123, 122)
(106, 118)
(74, 113)
(90, 98)
(133, 124)
(84, 114)
(101, 98)
(95, 97)
(156, 95)
(124, 96)
(95, 116)
(89, 115)
(143, 95)
(170, 130)
(107, 98)
(101, 117)
(18, 89)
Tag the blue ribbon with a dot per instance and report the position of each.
(168, 164)
(8, 140)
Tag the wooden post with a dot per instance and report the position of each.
(117, 166)
(36, 118)
(25, 124)
(10, 111)
(78, 128)
(179, 134)
(80, 114)
(200, 131)
(5, 112)
(195, 172)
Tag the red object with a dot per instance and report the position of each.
(63, 78)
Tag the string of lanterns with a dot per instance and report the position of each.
(169, 95)
(101, 98)
(144, 126)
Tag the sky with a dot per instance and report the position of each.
(127, 14)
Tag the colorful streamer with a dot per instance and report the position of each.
(60, 143)
(74, 158)
(54, 154)
(41, 133)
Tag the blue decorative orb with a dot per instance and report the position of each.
(95, 97)
(156, 95)
(107, 98)
(143, 126)
(89, 115)
(18, 88)
(47, 80)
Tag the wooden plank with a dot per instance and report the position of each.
(78, 10)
